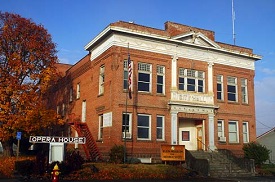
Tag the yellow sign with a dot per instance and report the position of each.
(173, 152)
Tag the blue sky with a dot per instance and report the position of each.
(73, 24)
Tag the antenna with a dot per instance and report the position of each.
(233, 23)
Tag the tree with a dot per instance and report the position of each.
(27, 59)
(256, 151)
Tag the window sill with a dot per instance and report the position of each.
(99, 95)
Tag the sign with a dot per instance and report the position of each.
(107, 119)
(173, 152)
(18, 135)
(51, 139)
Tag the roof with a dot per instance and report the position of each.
(266, 133)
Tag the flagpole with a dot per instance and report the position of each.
(125, 118)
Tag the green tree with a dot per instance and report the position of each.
(256, 151)
(27, 68)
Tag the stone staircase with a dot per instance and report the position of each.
(220, 165)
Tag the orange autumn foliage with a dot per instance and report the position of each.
(27, 59)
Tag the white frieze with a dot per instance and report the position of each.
(192, 98)
(192, 109)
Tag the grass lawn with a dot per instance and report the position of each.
(108, 171)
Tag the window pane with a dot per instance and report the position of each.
(143, 120)
(160, 79)
(144, 77)
(219, 87)
(231, 97)
(191, 81)
(159, 133)
(231, 88)
(219, 95)
(190, 87)
(159, 89)
(143, 132)
(159, 121)
(143, 86)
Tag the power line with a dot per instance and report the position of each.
(264, 124)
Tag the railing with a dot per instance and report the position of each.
(244, 163)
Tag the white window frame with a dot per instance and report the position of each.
(57, 109)
(235, 132)
(77, 90)
(230, 82)
(245, 132)
(144, 127)
(161, 73)
(63, 110)
(101, 79)
(83, 111)
(145, 68)
(244, 91)
(129, 131)
(220, 82)
(100, 127)
(220, 128)
(71, 94)
(162, 128)
(196, 75)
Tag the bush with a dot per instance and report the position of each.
(117, 154)
(256, 151)
(25, 167)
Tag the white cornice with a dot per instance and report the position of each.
(168, 48)
(167, 39)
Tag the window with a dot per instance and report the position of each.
(220, 129)
(160, 127)
(160, 79)
(63, 110)
(100, 127)
(245, 132)
(71, 94)
(232, 89)
(57, 110)
(144, 127)
(219, 87)
(191, 80)
(185, 136)
(144, 77)
(101, 79)
(127, 125)
(233, 132)
(244, 90)
(78, 91)
(83, 114)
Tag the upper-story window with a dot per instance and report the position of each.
(232, 89)
(244, 90)
(101, 79)
(144, 77)
(78, 91)
(71, 94)
(220, 87)
(160, 79)
(191, 80)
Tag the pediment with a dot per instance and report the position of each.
(197, 39)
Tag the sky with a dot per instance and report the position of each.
(74, 23)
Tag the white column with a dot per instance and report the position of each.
(211, 131)
(174, 72)
(210, 77)
(174, 128)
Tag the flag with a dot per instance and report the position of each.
(130, 72)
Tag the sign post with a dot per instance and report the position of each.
(18, 137)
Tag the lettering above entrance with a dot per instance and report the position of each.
(192, 98)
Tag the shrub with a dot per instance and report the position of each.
(74, 160)
(256, 151)
(117, 154)
(25, 167)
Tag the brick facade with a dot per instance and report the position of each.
(195, 113)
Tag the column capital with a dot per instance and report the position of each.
(210, 64)
(174, 58)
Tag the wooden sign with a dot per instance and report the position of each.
(173, 152)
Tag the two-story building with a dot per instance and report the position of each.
(186, 89)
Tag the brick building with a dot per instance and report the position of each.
(187, 89)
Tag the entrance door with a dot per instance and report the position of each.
(199, 138)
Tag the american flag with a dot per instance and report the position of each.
(130, 71)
